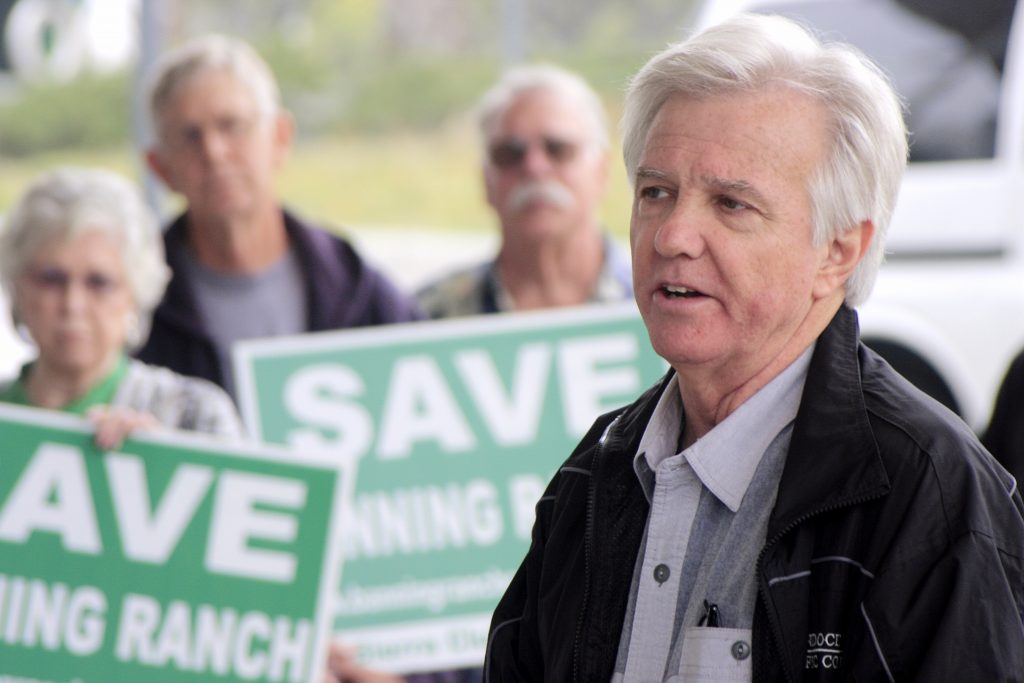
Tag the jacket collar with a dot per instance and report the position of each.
(833, 459)
(324, 275)
(179, 306)
(324, 272)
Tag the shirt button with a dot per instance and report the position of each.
(661, 573)
(740, 650)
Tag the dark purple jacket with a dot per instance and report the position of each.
(343, 290)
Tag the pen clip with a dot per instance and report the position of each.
(711, 616)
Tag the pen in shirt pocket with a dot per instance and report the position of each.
(711, 617)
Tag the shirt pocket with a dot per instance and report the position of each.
(715, 654)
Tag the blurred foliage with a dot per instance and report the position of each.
(360, 66)
(380, 90)
(16, 174)
(415, 93)
(92, 111)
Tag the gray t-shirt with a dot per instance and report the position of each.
(233, 307)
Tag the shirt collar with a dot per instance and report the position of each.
(725, 458)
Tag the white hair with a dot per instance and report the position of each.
(867, 150)
(212, 52)
(519, 80)
(67, 202)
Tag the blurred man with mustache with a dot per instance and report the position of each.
(545, 171)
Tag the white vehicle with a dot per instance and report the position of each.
(948, 308)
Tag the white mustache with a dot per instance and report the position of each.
(540, 191)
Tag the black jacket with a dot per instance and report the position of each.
(894, 534)
(342, 289)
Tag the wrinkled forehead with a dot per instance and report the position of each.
(228, 79)
(777, 125)
(210, 88)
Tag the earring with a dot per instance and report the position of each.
(132, 330)
(22, 330)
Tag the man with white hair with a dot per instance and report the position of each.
(545, 171)
(782, 505)
(243, 265)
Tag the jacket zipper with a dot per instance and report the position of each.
(587, 543)
(776, 629)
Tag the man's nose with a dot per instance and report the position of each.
(213, 144)
(681, 233)
(536, 161)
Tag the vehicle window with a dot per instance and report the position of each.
(945, 58)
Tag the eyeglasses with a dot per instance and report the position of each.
(230, 129)
(511, 152)
(57, 280)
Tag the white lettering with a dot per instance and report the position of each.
(420, 407)
(249, 646)
(512, 420)
(321, 396)
(34, 612)
(290, 650)
(53, 495)
(524, 491)
(42, 617)
(250, 663)
(585, 383)
(152, 537)
(213, 639)
(236, 521)
(172, 645)
(86, 621)
(482, 508)
(15, 590)
(423, 519)
(140, 616)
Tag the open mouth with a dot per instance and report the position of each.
(674, 292)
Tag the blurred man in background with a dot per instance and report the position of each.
(243, 266)
(545, 171)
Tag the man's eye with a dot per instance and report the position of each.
(653, 192)
(731, 204)
(234, 126)
(190, 136)
(229, 126)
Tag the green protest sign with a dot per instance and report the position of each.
(176, 558)
(457, 425)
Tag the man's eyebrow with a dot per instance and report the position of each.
(644, 173)
(733, 186)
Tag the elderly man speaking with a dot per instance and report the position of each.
(782, 506)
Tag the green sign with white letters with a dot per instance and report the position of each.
(176, 558)
(457, 426)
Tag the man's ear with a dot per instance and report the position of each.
(843, 254)
(157, 166)
(489, 180)
(284, 134)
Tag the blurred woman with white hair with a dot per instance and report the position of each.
(83, 264)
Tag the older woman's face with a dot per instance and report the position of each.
(74, 298)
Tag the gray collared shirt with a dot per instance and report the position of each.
(709, 513)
